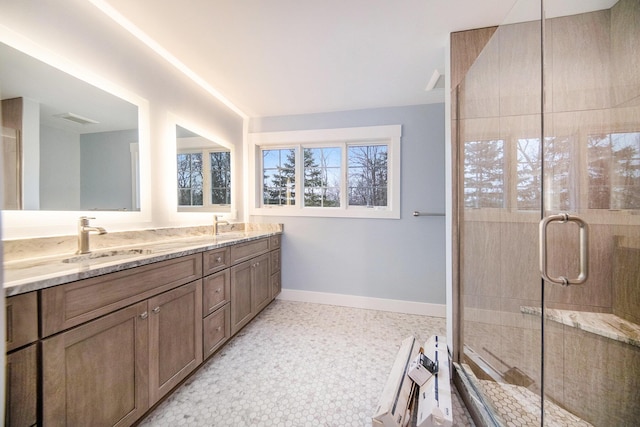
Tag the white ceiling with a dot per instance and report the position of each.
(279, 57)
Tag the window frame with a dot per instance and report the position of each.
(318, 138)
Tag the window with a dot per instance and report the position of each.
(204, 178)
(278, 171)
(350, 172)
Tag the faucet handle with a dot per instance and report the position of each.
(84, 220)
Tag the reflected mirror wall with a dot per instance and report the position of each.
(71, 146)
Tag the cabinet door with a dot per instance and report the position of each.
(22, 387)
(175, 338)
(276, 285)
(241, 295)
(97, 373)
(261, 283)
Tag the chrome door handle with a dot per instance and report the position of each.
(584, 249)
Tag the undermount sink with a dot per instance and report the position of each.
(106, 254)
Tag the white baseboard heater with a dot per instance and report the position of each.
(397, 396)
(434, 394)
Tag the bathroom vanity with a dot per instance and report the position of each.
(102, 341)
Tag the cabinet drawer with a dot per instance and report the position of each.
(215, 292)
(216, 330)
(274, 241)
(69, 305)
(275, 261)
(22, 320)
(245, 251)
(215, 260)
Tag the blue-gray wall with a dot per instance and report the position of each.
(382, 258)
(59, 169)
(105, 172)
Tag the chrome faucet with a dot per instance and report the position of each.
(217, 222)
(83, 234)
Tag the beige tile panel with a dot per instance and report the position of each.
(480, 89)
(625, 61)
(602, 379)
(520, 75)
(580, 60)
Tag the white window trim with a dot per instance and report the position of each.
(391, 134)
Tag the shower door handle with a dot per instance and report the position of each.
(584, 248)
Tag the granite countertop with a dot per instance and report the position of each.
(603, 324)
(25, 274)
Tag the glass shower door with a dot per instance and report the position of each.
(591, 168)
(499, 127)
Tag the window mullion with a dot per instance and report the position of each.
(344, 185)
(206, 178)
(299, 174)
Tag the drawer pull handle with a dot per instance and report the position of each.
(219, 329)
(144, 315)
(218, 290)
(219, 259)
(156, 310)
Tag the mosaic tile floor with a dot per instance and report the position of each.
(299, 364)
(517, 406)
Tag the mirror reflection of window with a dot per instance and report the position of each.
(220, 177)
(190, 179)
(203, 173)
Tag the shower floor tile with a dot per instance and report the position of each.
(518, 406)
(299, 364)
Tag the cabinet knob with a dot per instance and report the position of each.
(219, 329)
(218, 290)
(156, 310)
(144, 315)
(219, 259)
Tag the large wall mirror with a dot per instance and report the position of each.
(203, 173)
(68, 145)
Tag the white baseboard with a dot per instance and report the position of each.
(397, 306)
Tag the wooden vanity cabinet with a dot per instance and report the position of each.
(21, 368)
(110, 347)
(110, 370)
